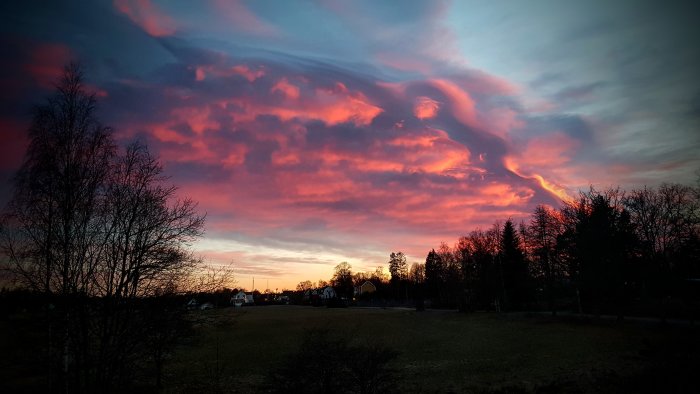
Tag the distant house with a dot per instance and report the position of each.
(365, 288)
(242, 298)
(312, 297)
(238, 299)
(327, 293)
(318, 297)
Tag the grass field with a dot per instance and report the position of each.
(444, 351)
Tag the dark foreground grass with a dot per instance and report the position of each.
(444, 351)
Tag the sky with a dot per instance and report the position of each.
(316, 132)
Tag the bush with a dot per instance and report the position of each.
(330, 363)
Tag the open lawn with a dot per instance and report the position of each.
(442, 351)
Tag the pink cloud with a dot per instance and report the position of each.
(147, 16)
(290, 149)
(479, 82)
(397, 89)
(200, 74)
(432, 151)
(165, 133)
(424, 151)
(249, 74)
(557, 190)
(243, 19)
(338, 177)
(425, 108)
(235, 155)
(287, 89)
(461, 103)
(474, 206)
(552, 150)
(197, 118)
(332, 105)
(218, 71)
(501, 121)
(547, 160)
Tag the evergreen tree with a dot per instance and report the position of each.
(600, 242)
(399, 274)
(433, 274)
(516, 282)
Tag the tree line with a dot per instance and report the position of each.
(606, 251)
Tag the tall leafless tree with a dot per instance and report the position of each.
(96, 232)
(50, 229)
(50, 221)
(541, 234)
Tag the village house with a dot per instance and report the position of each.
(242, 298)
(365, 288)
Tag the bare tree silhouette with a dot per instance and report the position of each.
(96, 232)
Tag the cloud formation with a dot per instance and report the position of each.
(317, 133)
(148, 16)
(326, 145)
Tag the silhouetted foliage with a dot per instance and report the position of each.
(451, 276)
(599, 241)
(399, 275)
(433, 274)
(397, 267)
(542, 233)
(666, 222)
(604, 252)
(50, 223)
(94, 230)
(342, 280)
(484, 282)
(163, 325)
(514, 269)
(305, 285)
(327, 362)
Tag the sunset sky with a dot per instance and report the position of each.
(316, 132)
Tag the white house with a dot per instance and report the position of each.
(242, 298)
